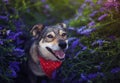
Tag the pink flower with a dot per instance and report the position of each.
(111, 0)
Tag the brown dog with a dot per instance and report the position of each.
(47, 50)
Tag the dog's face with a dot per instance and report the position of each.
(52, 41)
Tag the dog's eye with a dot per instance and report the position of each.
(49, 36)
(64, 34)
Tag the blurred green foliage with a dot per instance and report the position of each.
(46, 11)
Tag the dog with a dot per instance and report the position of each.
(47, 51)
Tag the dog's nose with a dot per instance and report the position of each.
(62, 44)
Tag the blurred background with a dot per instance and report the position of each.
(94, 37)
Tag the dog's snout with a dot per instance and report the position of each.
(62, 44)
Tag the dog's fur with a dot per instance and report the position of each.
(45, 38)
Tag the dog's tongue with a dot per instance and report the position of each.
(59, 53)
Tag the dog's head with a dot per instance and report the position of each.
(51, 40)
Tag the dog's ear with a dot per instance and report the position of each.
(36, 30)
(63, 25)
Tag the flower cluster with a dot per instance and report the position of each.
(88, 48)
(112, 4)
(11, 42)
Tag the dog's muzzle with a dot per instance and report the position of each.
(59, 54)
(62, 44)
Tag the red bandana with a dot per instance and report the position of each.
(49, 66)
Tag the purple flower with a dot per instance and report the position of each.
(115, 70)
(92, 4)
(81, 45)
(77, 54)
(98, 67)
(80, 10)
(87, 31)
(79, 30)
(112, 37)
(92, 51)
(8, 32)
(95, 75)
(19, 41)
(88, 0)
(92, 23)
(46, 6)
(93, 13)
(66, 21)
(1, 27)
(18, 52)
(101, 74)
(17, 35)
(71, 28)
(12, 69)
(83, 76)
(75, 43)
(54, 75)
(110, 0)
(46, 10)
(10, 35)
(83, 5)
(101, 63)
(4, 18)
(109, 5)
(92, 75)
(1, 42)
(84, 48)
(6, 1)
(14, 65)
(102, 17)
(99, 42)
(71, 39)
(43, 1)
(18, 49)
(99, 2)
(13, 35)
(102, 9)
(18, 24)
(11, 73)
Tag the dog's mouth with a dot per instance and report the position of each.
(59, 54)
